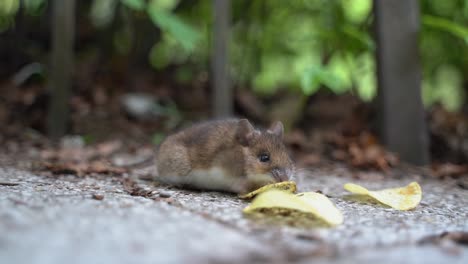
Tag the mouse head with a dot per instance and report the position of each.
(264, 151)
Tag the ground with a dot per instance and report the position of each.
(95, 219)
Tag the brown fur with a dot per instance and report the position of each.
(233, 145)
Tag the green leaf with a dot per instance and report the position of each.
(273, 73)
(160, 56)
(310, 82)
(173, 25)
(356, 11)
(138, 5)
(336, 76)
(166, 51)
(317, 76)
(361, 36)
(366, 81)
(451, 27)
(8, 7)
(34, 7)
(102, 12)
(366, 86)
(167, 5)
(339, 79)
(445, 8)
(448, 87)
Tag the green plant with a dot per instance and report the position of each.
(444, 52)
(176, 34)
(299, 45)
(8, 9)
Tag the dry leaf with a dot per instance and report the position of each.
(449, 170)
(362, 151)
(404, 198)
(311, 203)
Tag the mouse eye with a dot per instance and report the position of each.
(264, 157)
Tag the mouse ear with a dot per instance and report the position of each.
(245, 132)
(277, 129)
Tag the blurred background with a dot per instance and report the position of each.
(143, 68)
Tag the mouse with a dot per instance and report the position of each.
(228, 155)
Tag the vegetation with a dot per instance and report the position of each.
(298, 45)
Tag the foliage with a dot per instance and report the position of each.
(309, 46)
(159, 11)
(299, 45)
(444, 50)
(8, 9)
(314, 44)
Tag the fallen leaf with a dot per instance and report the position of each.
(98, 197)
(288, 186)
(82, 168)
(362, 151)
(132, 188)
(108, 148)
(404, 198)
(458, 237)
(310, 203)
(449, 170)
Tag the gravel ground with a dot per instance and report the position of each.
(45, 219)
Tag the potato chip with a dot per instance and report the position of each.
(312, 203)
(288, 186)
(404, 198)
(322, 207)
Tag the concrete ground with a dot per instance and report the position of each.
(70, 219)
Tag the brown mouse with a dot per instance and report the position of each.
(225, 155)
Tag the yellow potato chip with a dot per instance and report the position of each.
(322, 207)
(312, 203)
(404, 198)
(288, 186)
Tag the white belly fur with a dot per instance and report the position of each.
(213, 179)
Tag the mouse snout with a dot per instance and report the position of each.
(281, 175)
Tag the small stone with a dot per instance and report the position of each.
(463, 183)
(164, 194)
(170, 201)
(98, 197)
